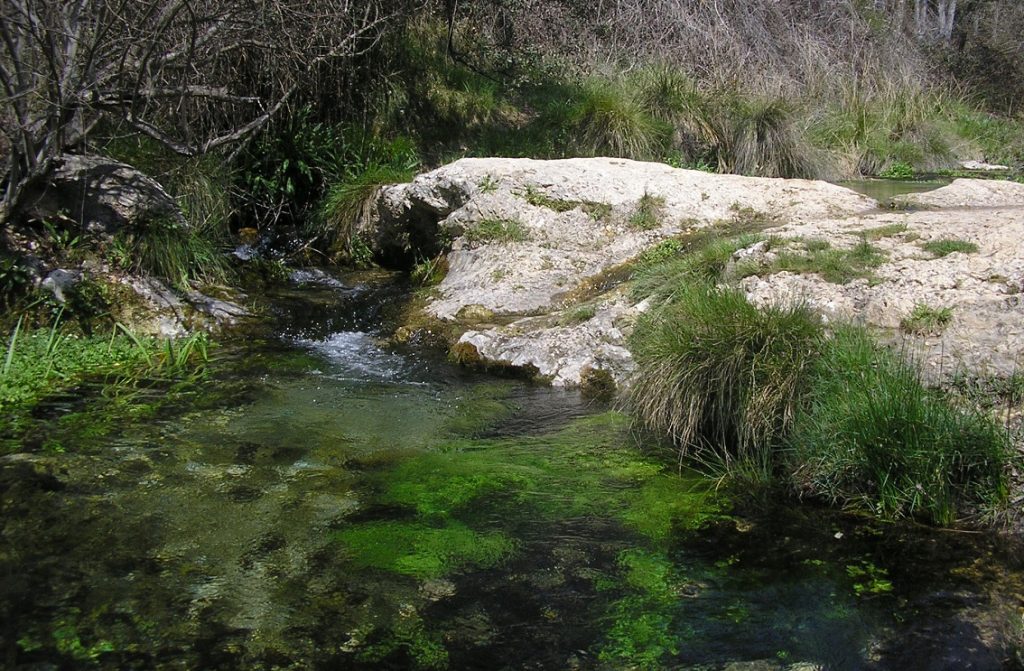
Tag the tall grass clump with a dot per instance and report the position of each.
(870, 435)
(718, 374)
(609, 119)
(760, 137)
(347, 201)
(170, 250)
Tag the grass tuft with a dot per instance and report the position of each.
(947, 246)
(926, 320)
(648, 213)
(498, 230)
(608, 119)
(717, 373)
(872, 436)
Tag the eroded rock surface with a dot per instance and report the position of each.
(531, 239)
(541, 247)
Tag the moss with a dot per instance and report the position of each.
(423, 551)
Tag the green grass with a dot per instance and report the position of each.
(42, 362)
(886, 231)
(668, 269)
(872, 436)
(926, 320)
(535, 197)
(497, 230)
(838, 266)
(717, 372)
(608, 119)
(763, 396)
(947, 246)
(171, 251)
(347, 202)
(648, 213)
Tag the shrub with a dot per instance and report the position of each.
(715, 372)
(871, 435)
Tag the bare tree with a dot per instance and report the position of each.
(195, 75)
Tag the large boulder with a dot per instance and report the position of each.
(538, 246)
(104, 195)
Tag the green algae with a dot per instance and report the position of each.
(421, 551)
(670, 502)
(641, 631)
(408, 635)
(483, 408)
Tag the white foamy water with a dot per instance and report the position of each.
(356, 355)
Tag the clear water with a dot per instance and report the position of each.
(324, 502)
(883, 190)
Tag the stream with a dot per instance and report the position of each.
(321, 501)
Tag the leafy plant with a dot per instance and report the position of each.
(898, 170)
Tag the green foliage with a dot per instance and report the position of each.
(41, 362)
(423, 551)
(898, 170)
(717, 372)
(15, 280)
(946, 246)
(171, 251)
(871, 436)
(667, 270)
(430, 272)
(926, 320)
(375, 164)
(608, 119)
(648, 212)
(755, 136)
(868, 579)
(497, 230)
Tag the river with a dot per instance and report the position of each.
(321, 501)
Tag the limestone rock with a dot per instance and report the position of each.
(105, 195)
(532, 241)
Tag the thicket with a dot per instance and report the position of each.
(307, 109)
(769, 395)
